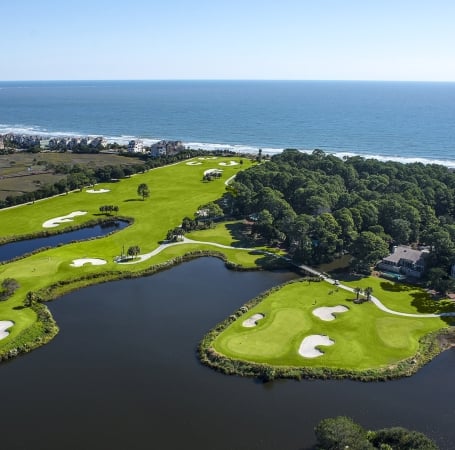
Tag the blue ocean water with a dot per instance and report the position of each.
(402, 121)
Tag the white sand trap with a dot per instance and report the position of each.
(327, 312)
(193, 163)
(4, 325)
(253, 320)
(209, 171)
(56, 221)
(97, 191)
(230, 163)
(93, 261)
(308, 346)
(208, 157)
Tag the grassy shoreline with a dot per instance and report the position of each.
(429, 346)
(176, 191)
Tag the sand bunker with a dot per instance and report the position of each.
(55, 222)
(209, 171)
(93, 261)
(308, 346)
(97, 191)
(208, 157)
(4, 325)
(327, 312)
(253, 320)
(193, 163)
(230, 163)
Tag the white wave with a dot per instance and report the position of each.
(238, 148)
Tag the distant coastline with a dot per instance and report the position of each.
(237, 148)
(398, 121)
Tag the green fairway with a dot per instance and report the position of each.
(176, 191)
(364, 337)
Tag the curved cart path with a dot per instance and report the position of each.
(331, 281)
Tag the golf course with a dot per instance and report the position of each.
(316, 325)
(304, 328)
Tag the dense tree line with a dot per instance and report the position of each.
(321, 206)
(342, 433)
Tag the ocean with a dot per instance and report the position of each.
(402, 121)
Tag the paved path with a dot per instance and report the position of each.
(306, 268)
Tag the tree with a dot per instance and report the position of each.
(9, 285)
(367, 249)
(439, 280)
(143, 190)
(402, 439)
(339, 433)
(357, 291)
(107, 209)
(133, 251)
(209, 211)
(368, 292)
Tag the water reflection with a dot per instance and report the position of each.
(123, 374)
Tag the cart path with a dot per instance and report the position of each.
(374, 300)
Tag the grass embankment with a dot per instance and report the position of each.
(369, 344)
(176, 192)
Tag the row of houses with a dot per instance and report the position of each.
(69, 143)
(161, 148)
(56, 143)
(20, 140)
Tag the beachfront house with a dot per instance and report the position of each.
(163, 148)
(136, 146)
(405, 260)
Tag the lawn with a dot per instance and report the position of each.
(364, 336)
(403, 297)
(176, 191)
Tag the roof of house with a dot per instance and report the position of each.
(403, 252)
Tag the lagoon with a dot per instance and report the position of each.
(123, 374)
(19, 248)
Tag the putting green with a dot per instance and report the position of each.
(364, 337)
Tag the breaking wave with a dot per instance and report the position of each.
(238, 148)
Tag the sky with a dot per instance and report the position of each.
(228, 39)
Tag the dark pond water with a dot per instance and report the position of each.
(15, 249)
(123, 374)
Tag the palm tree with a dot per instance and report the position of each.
(368, 292)
(357, 291)
(133, 251)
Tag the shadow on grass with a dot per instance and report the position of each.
(270, 261)
(18, 308)
(425, 303)
(241, 236)
(133, 200)
(347, 277)
(395, 287)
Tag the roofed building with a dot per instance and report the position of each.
(405, 260)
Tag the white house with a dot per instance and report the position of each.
(136, 146)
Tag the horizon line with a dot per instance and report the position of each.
(227, 79)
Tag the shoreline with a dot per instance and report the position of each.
(239, 148)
